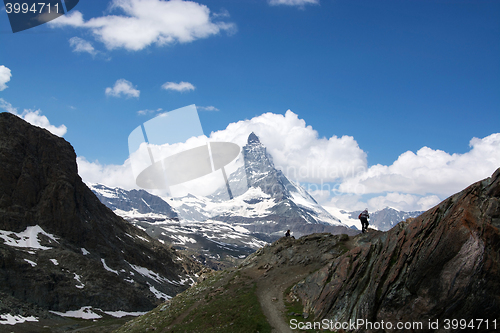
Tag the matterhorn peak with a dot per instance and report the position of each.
(253, 139)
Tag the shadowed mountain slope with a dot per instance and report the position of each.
(60, 248)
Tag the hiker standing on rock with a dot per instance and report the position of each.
(287, 233)
(364, 220)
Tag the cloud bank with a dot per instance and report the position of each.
(110, 175)
(335, 169)
(430, 171)
(148, 22)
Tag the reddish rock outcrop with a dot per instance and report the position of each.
(439, 266)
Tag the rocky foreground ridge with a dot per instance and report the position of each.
(61, 249)
(427, 271)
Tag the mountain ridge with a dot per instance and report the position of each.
(61, 249)
(426, 271)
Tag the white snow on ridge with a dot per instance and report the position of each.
(158, 294)
(32, 263)
(27, 238)
(323, 215)
(182, 240)
(77, 278)
(87, 312)
(119, 314)
(8, 319)
(150, 274)
(107, 268)
(84, 312)
(107, 193)
(134, 214)
(343, 216)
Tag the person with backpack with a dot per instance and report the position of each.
(363, 216)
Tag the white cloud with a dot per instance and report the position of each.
(401, 201)
(296, 148)
(207, 108)
(7, 106)
(348, 202)
(299, 3)
(5, 76)
(181, 86)
(34, 117)
(148, 111)
(122, 87)
(110, 175)
(335, 170)
(430, 171)
(81, 45)
(147, 22)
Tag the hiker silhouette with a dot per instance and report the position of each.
(363, 216)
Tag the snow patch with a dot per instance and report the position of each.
(77, 278)
(27, 238)
(344, 216)
(158, 293)
(107, 268)
(32, 263)
(119, 314)
(84, 312)
(152, 275)
(8, 319)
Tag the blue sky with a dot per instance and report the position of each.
(396, 76)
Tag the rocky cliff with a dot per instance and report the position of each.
(440, 266)
(61, 249)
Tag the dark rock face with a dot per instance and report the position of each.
(94, 257)
(260, 170)
(444, 264)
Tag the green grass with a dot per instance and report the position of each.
(237, 311)
(222, 303)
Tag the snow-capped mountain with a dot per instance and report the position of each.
(211, 242)
(388, 217)
(134, 202)
(264, 205)
(272, 203)
(382, 220)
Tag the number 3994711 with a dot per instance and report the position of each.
(35, 8)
